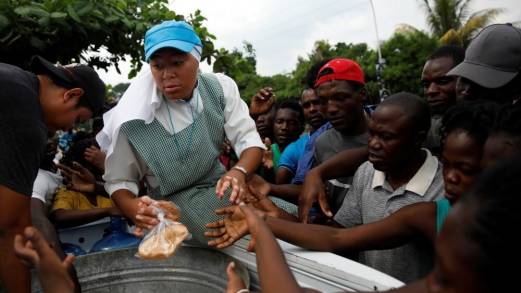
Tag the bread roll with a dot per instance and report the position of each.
(163, 244)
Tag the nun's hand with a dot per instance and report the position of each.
(234, 179)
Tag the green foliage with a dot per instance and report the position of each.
(452, 23)
(73, 30)
(405, 53)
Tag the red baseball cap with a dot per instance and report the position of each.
(340, 69)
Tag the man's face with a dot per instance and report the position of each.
(392, 138)
(264, 124)
(342, 104)
(439, 89)
(174, 72)
(312, 109)
(287, 126)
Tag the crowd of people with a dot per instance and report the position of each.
(420, 188)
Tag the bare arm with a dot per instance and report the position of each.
(72, 218)
(395, 230)
(286, 191)
(283, 176)
(274, 273)
(41, 222)
(340, 165)
(15, 216)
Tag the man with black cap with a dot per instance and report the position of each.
(33, 104)
(491, 66)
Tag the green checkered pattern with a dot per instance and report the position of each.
(188, 179)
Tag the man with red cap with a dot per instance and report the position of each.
(340, 86)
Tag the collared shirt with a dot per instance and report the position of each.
(371, 198)
(124, 168)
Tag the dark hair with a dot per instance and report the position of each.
(294, 105)
(311, 75)
(77, 153)
(457, 54)
(494, 202)
(415, 107)
(508, 121)
(475, 118)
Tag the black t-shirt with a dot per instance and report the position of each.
(23, 133)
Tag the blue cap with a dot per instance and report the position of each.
(170, 34)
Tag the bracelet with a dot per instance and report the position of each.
(241, 168)
(243, 291)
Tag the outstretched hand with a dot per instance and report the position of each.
(312, 190)
(78, 178)
(34, 251)
(233, 227)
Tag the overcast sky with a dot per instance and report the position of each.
(282, 30)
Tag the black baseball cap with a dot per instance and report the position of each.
(74, 76)
(493, 57)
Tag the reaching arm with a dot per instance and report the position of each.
(274, 273)
(340, 165)
(41, 222)
(416, 220)
(395, 230)
(15, 216)
(72, 218)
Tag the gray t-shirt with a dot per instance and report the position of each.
(328, 144)
(371, 198)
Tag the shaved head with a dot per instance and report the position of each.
(415, 108)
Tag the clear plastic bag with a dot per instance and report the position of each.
(162, 241)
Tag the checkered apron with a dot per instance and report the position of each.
(188, 178)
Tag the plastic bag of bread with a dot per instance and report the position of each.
(162, 241)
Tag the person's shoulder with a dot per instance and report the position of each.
(364, 172)
(325, 137)
(15, 75)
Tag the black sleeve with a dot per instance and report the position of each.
(22, 131)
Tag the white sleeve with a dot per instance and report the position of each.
(238, 125)
(123, 168)
(40, 187)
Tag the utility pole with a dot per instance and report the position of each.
(383, 92)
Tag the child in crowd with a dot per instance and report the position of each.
(77, 205)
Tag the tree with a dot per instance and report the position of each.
(68, 31)
(405, 53)
(451, 21)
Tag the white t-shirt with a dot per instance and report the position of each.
(45, 186)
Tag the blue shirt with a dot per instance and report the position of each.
(307, 159)
(292, 154)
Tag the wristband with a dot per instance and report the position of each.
(243, 291)
(242, 170)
